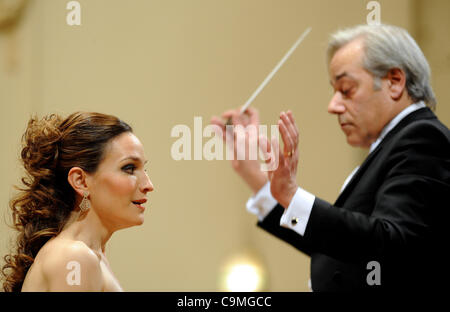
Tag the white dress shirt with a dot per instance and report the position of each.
(301, 204)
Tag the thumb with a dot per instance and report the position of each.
(265, 148)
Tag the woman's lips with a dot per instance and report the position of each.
(139, 203)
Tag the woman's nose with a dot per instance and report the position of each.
(147, 185)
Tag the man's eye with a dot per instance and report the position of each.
(129, 168)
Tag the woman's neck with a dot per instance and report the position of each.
(87, 228)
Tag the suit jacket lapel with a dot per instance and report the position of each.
(422, 113)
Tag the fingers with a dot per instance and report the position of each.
(287, 140)
(218, 122)
(291, 118)
(253, 115)
(289, 123)
(286, 124)
(289, 131)
(278, 155)
(234, 117)
(230, 113)
(228, 118)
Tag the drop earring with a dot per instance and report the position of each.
(85, 204)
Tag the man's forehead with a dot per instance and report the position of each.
(351, 50)
(346, 60)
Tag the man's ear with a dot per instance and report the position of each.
(77, 178)
(396, 79)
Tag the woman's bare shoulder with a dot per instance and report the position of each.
(59, 248)
(70, 265)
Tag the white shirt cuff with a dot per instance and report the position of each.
(297, 215)
(262, 203)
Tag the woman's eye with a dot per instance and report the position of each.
(345, 92)
(129, 168)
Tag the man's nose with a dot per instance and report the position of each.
(336, 105)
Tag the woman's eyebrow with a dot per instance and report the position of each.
(135, 159)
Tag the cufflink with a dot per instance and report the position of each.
(294, 221)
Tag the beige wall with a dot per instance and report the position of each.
(156, 64)
(432, 28)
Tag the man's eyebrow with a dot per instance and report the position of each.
(344, 74)
(135, 159)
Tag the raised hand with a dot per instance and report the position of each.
(249, 169)
(283, 184)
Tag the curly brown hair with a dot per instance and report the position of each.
(51, 146)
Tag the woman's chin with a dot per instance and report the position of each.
(140, 219)
(137, 218)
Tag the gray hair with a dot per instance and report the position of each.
(388, 47)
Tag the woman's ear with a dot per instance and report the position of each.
(77, 178)
(396, 82)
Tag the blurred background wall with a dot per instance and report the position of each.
(160, 63)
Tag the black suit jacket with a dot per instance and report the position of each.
(394, 210)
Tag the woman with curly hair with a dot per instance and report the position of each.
(85, 179)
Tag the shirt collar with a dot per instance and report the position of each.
(408, 110)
